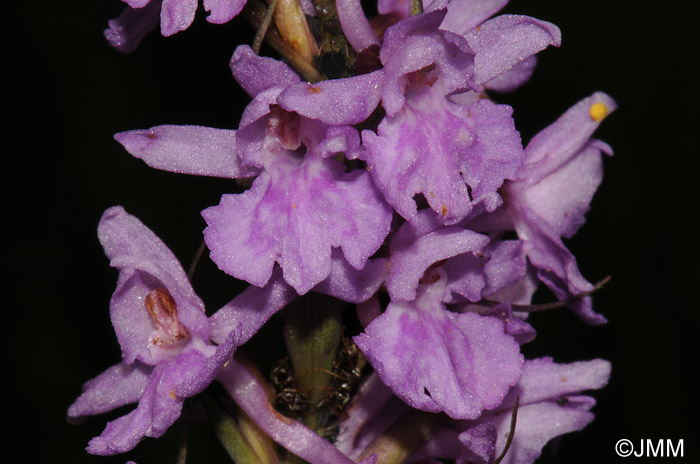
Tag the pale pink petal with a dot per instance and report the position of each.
(195, 150)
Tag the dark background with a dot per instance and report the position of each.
(69, 92)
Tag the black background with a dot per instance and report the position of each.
(68, 92)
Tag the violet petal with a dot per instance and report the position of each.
(558, 142)
(249, 311)
(157, 410)
(545, 380)
(464, 15)
(208, 371)
(465, 277)
(295, 212)
(144, 264)
(340, 139)
(348, 284)
(356, 27)
(507, 265)
(222, 11)
(337, 101)
(308, 7)
(537, 424)
(416, 43)
(479, 443)
(517, 328)
(507, 40)
(437, 148)
(140, 3)
(126, 32)
(556, 265)
(370, 398)
(176, 16)
(368, 310)
(469, 368)
(516, 76)
(119, 385)
(562, 198)
(258, 73)
(550, 405)
(410, 263)
(195, 150)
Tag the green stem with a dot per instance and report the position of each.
(403, 438)
(264, 26)
(312, 332)
(232, 437)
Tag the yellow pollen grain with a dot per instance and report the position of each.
(444, 210)
(172, 394)
(315, 90)
(598, 111)
(294, 205)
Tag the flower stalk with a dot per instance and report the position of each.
(312, 332)
(264, 25)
